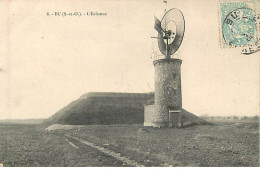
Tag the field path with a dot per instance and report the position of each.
(117, 156)
(72, 144)
(226, 144)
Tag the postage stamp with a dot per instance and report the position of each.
(238, 27)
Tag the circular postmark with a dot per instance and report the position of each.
(239, 27)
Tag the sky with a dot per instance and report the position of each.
(49, 61)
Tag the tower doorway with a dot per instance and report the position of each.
(174, 118)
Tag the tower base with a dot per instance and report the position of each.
(176, 120)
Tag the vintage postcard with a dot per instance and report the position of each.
(129, 83)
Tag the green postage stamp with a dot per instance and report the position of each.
(238, 25)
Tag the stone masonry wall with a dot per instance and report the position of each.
(167, 89)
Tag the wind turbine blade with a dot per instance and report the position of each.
(157, 24)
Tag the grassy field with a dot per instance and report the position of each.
(223, 144)
(26, 145)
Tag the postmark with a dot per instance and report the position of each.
(251, 49)
(238, 23)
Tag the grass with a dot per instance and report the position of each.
(26, 145)
(222, 144)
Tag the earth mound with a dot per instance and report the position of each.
(189, 119)
(103, 108)
(110, 108)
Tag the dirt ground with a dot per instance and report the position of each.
(224, 144)
(27, 146)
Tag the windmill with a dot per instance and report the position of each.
(170, 31)
(166, 111)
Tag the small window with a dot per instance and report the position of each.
(174, 75)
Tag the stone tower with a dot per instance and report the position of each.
(168, 99)
(166, 111)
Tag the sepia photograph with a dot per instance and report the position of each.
(129, 83)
